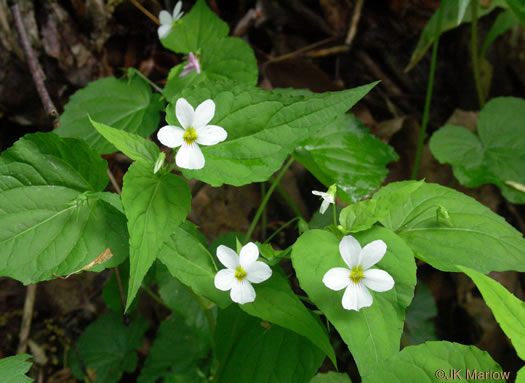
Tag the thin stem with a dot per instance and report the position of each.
(335, 215)
(155, 86)
(474, 52)
(146, 12)
(264, 217)
(266, 199)
(113, 180)
(289, 201)
(428, 98)
(155, 297)
(120, 289)
(282, 228)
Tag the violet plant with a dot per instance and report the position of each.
(235, 316)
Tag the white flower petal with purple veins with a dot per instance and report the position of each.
(241, 272)
(228, 257)
(337, 278)
(359, 278)
(171, 136)
(190, 157)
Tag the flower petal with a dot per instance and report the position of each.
(203, 114)
(350, 250)
(356, 297)
(190, 157)
(258, 272)
(171, 136)
(176, 10)
(224, 279)
(337, 278)
(165, 18)
(319, 193)
(228, 257)
(324, 206)
(249, 254)
(242, 292)
(210, 135)
(163, 31)
(184, 112)
(372, 253)
(378, 280)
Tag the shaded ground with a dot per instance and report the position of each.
(76, 44)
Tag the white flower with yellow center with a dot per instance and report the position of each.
(242, 270)
(167, 21)
(195, 131)
(359, 278)
(328, 197)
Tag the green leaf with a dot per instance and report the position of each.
(433, 361)
(505, 21)
(277, 303)
(419, 324)
(372, 334)
(132, 145)
(230, 58)
(508, 310)
(345, 153)
(520, 376)
(359, 216)
(479, 239)
(496, 156)
(249, 350)
(14, 369)
(123, 104)
(190, 262)
(53, 220)
(456, 12)
(199, 27)
(518, 8)
(109, 347)
(155, 206)
(263, 128)
(175, 352)
(331, 377)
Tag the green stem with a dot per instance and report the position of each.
(266, 199)
(474, 52)
(282, 228)
(289, 201)
(153, 85)
(155, 297)
(335, 215)
(264, 216)
(428, 98)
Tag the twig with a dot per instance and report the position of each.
(244, 23)
(120, 288)
(355, 21)
(34, 67)
(25, 327)
(114, 182)
(301, 50)
(145, 11)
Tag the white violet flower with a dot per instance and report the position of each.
(328, 197)
(195, 131)
(241, 272)
(359, 278)
(192, 65)
(167, 21)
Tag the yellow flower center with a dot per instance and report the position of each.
(357, 274)
(190, 136)
(240, 273)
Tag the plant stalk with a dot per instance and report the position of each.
(474, 52)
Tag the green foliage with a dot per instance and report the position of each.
(263, 127)
(455, 13)
(198, 27)
(505, 21)
(431, 361)
(278, 304)
(518, 8)
(109, 347)
(419, 324)
(331, 377)
(188, 260)
(175, 353)
(249, 350)
(344, 152)
(132, 145)
(123, 104)
(508, 310)
(373, 333)
(14, 368)
(155, 206)
(53, 220)
(479, 238)
(496, 155)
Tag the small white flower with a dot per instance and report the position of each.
(241, 272)
(328, 197)
(359, 278)
(195, 131)
(167, 21)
